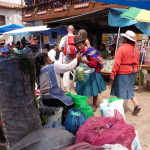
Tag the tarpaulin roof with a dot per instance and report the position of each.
(37, 30)
(144, 4)
(138, 14)
(27, 30)
(9, 27)
(95, 17)
(115, 19)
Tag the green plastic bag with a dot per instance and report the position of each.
(81, 102)
(114, 99)
(79, 74)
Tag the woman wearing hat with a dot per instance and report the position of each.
(92, 65)
(124, 70)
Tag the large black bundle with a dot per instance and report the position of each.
(45, 139)
(19, 113)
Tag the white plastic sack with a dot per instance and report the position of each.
(107, 109)
(136, 143)
(114, 147)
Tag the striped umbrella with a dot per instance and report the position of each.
(137, 14)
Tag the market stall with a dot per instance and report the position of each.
(108, 65)
(39, 30)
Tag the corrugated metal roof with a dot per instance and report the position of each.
(9, 5)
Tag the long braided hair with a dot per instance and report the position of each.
(39, 62)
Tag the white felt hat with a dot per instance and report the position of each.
(130, 35)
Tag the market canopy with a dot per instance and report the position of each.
(115, 19)
(27, 30)
(92, 19)
(9, 27)
(144, 4)
(43, 30)
(137, 14)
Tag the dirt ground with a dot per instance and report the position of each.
(141, 122)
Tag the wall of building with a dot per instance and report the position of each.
(8, 13)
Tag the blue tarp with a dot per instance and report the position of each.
(39, 30)
(143, 27)
(61, 31)
(144, 4)
(9, 27)
(114, 19)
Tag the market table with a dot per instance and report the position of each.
(143, 67)
(107, 69)
(108, 65)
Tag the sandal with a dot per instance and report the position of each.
(136, 110)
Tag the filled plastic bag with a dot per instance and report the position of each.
(83, 146)
(109, 105)
(114, 147)
(112, 99)
(136, 143)
(87, 146)
(74, 119)
(79, 74)
(81, 102)
(106, 130)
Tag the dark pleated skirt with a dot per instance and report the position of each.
(123, 86)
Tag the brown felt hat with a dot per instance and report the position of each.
(78, 39)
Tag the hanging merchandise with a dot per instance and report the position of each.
(74, 119)
(81, 102)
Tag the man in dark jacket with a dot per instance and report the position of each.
(23, 41)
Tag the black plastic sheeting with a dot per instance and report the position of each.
(18, 111)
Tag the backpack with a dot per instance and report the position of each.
(69, 48)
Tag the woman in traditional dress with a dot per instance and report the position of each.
(92, 65)
(124, 71)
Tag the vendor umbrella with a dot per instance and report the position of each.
(9, 27)
(137, 14)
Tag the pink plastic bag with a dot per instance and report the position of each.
(106, 130)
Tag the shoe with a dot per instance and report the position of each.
(136, 110)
